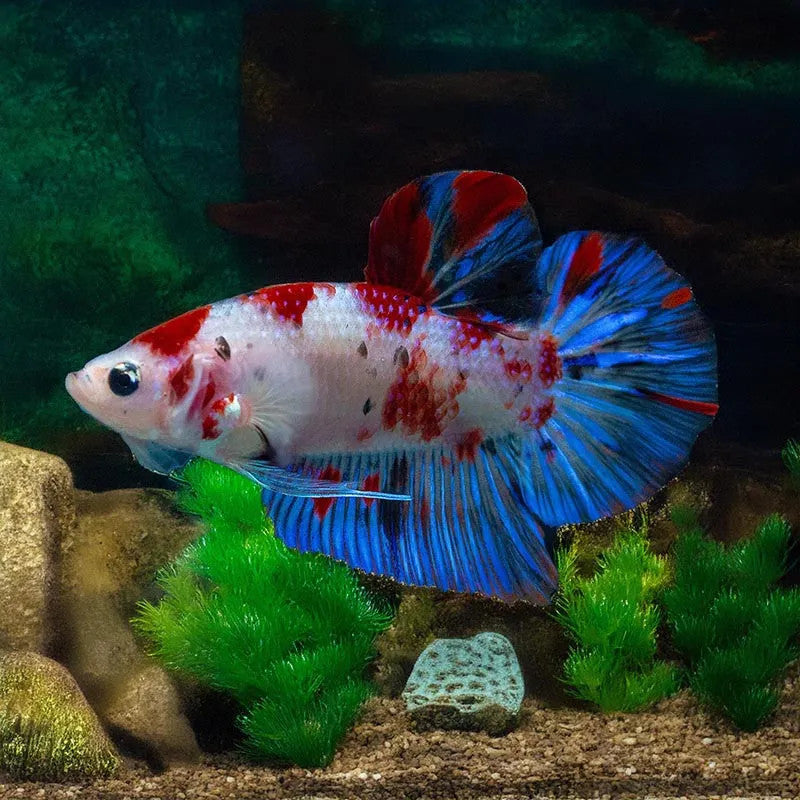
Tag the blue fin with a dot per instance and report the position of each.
(467, 528)
(639, 377)
(305, 484)
(466, 242)
(157, 457)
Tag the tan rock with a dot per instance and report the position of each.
(121, 539)
(36, 515)
(146, 706)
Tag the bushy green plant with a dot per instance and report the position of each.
(613, 621)
(731, 624)
(288, 634)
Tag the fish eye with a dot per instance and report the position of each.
(123, 379)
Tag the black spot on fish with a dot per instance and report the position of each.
(547, 446)
(489, 446)
(222, 348)
(575, 372)
(367, 407)
(392, 514)
(401, 357)
(372, 372)
(362, 349)
(259, 373)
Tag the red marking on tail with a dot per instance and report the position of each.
(549, 361)
(698, 406)
(481, 200)
(392, 309)
(399, 244)
(288, 301)
(322, 505)
(466, 448)
(180, 379)
(677, 298)
(544, 412)
(371, 483)
(586, 261)
(170, 338)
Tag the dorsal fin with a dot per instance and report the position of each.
(466, 242)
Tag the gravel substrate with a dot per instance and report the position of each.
(673, 751)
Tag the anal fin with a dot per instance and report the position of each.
(464, 529)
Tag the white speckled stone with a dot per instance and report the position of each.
(468, 684)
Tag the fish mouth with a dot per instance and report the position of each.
(82, 389)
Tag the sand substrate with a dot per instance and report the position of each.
(675, 750)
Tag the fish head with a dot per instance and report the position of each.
(132, 391)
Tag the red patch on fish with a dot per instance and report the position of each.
(467, 447)
(519, 369)
(586, 261)
(481, 200)
(393, 310)
(171, 337)
(399, 244)
(371, 484)
(288, 301)
(322, 505)
(549, 361)
(468, 335)
(215, 414)
(421, 400)
(544, 412)
(209, 393)
(363, 434)
(180, 379)
(677, 298)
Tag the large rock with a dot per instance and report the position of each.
(121, 539)
(468, 684)
(47, 729)
(37, 515)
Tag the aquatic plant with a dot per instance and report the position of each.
(288, 634)
(48, 731)
(791, 458)
(729, 621)
(613, 619)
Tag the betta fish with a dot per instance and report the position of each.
(438, 421)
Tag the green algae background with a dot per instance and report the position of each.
(119, 122)
(118, 125)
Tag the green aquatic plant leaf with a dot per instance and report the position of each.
(791, 458)
(734, 627)
(287, 634)
(613, 620)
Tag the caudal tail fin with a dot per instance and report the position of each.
(639, 376)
